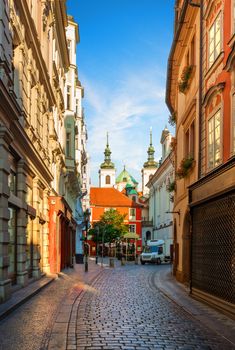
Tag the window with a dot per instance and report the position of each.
(192, 51)
(12, 246)
(189, 141)
(132, 228)
(68, 97)
(187, 59)
(77, 106)
(148, 235)
(132, 213)
(186, 144)
(192, 140)
(214, 140)
(70, 50)
(68, 144)
(12, 177)
(107, 180)
(214, 40)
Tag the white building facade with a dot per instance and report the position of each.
(160, 199)
(77, 159)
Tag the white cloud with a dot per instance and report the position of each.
(127, 111)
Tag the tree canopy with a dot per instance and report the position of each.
(110, 227)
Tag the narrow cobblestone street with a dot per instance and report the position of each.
(128, 312)
(123, 309)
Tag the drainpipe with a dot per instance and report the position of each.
(200, 89)
(200, 112)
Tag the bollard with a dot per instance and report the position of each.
(122, 262)
(111, 262)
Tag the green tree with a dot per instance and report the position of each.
(110, 227)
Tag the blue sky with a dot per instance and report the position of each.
(122, 60)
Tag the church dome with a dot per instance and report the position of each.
(124, 176)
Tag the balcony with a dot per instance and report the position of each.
(147, 223)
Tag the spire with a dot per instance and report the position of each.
(107, 164)
(151, 141)
(151, 162)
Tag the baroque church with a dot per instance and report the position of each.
(125, 182)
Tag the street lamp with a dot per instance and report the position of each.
(87, 214)
(96, 249)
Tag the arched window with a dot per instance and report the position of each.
(107, 180)
(148, 235)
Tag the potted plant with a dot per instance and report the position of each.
(171, 186)
(185, 78)
(185, 166)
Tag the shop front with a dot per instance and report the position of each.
(212, 202)
(62, 230)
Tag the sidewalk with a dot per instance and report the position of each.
(208, 316)
(22, 295)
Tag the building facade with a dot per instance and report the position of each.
(103, 199)
(212, 197)
(34, 169)
(182, 98)
(161, 188)
(207, 93)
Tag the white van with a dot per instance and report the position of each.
(156, 251)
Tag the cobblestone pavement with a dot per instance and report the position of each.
(29, 327)
(128, 312)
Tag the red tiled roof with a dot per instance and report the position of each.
(110, 197)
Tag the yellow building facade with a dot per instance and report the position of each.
(182, 98)
(34, 59)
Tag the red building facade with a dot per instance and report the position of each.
(103, 199)
(62, 230)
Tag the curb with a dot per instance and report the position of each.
(64, 325)
(11, 305)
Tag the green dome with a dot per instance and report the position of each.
(124, 176)
(133, 192)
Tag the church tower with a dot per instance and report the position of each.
(149, 167)
(107, 172)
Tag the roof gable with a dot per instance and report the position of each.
(110, 197)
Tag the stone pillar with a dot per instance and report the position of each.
(22, 273)
(46, 265)
(5, 283)
(36, 231)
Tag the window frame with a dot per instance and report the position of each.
(69, 97)
(68, 144)
(109, 178)
(213, 25)
(129, 228)
(132, 217)
(210, 117)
